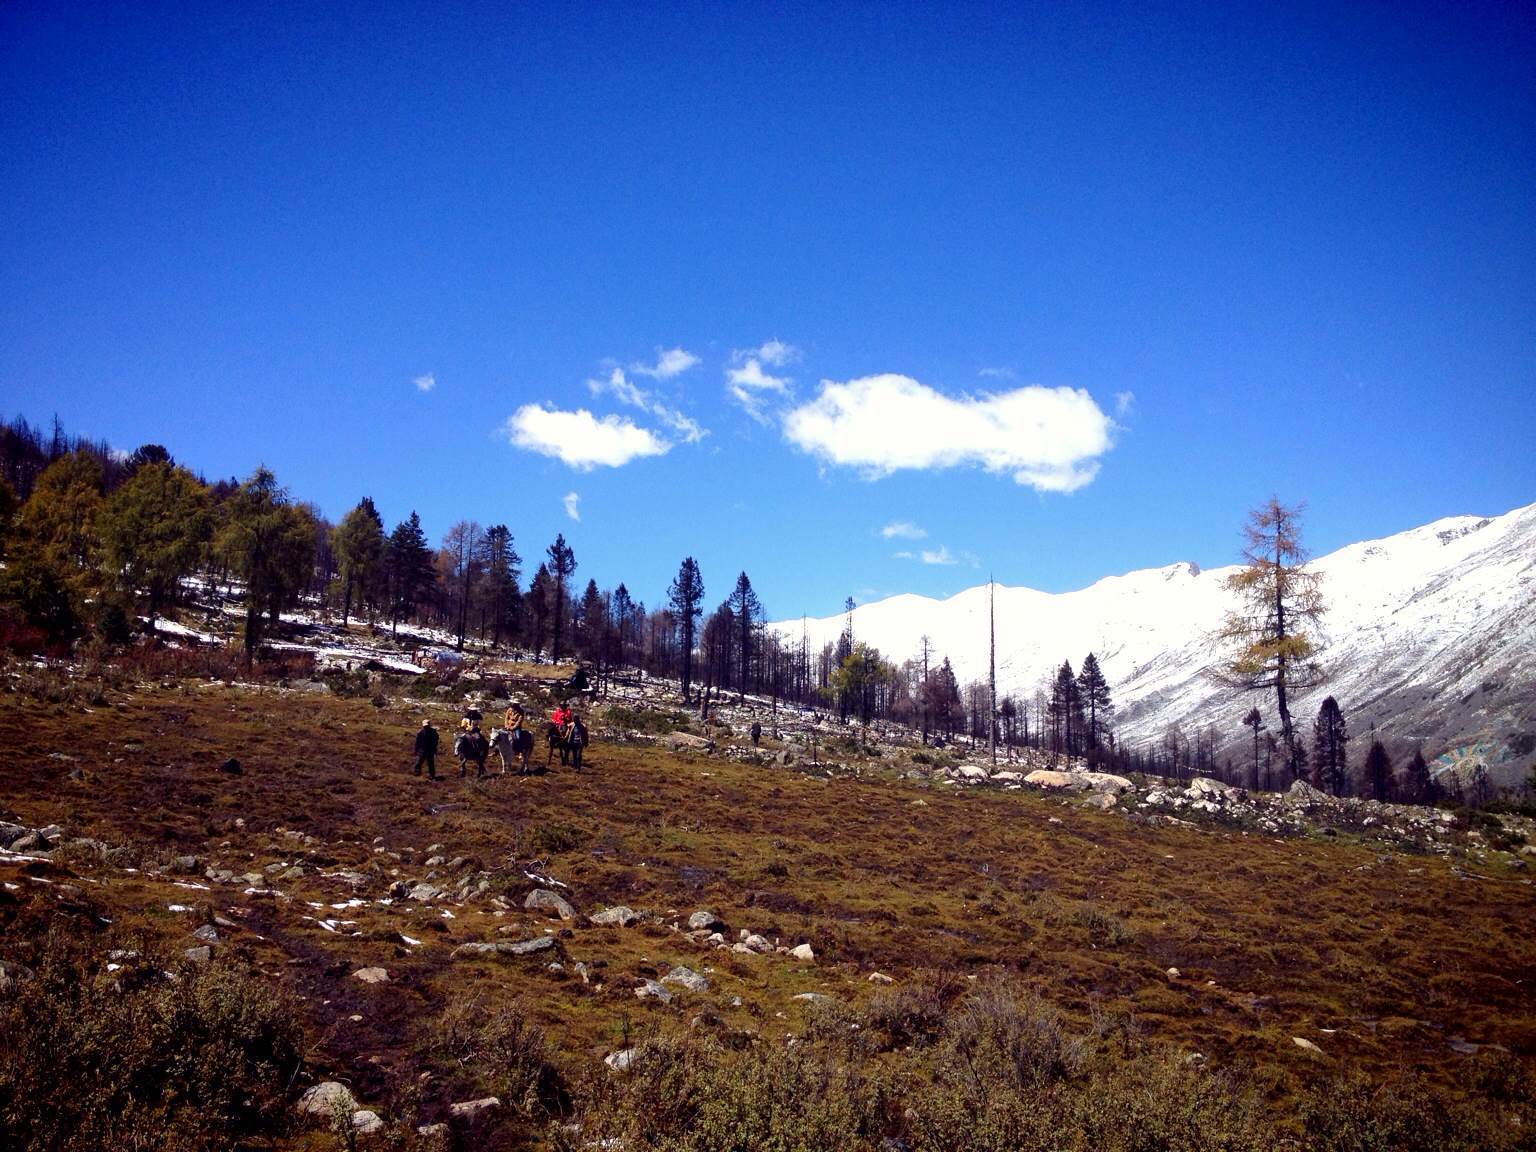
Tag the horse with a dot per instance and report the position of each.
(510, 744)
(569, 747)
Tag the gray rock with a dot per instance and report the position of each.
(803, 952)
(327, 1100)
(756, 943)
(686, 978)
(366, 1123)
(208, 934)
(549, 902)
(437, 1131)
(473, 1109)
(521, 948)
(618, 916)
(650, 990)
(187, 864)
(423, 893)
(371, 975)
(10, 833)
(200, 955)
(705, 921)
(29, 842)
(1303, 1042)
(51, 833)
(813, 998)
(687, 742)
(621, 1061)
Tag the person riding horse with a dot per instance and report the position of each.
(513, 741)
(567, 735)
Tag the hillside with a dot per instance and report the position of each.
(1429, 637)
(1172, 964)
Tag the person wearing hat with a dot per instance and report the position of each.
(426, 750)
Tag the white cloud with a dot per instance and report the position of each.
(626, 391)
(776, 353)
(121, 455)
(1047, 438)
(996, 373)
(1124, 402)
(939, 555)
(903, 530)
(572, 502)
(749, 386)
(424, 383)
(580, 439)
(670, 362)
(901, 555)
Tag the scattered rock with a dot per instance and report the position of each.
(1173, 973)
(551, 903)
(327, 1100)
(433, 1131)
(371, 975)
(756, 943)
(619, 916)
(621, 1061)
(803, 952)
(366, 1123)
(1302, 1041)
(521, 948)
(29, 842)
(686, 978)
(423, 893)
(208, 934)
(813, 998)
(705, 921)
(473, 1109)
(650, 990)
(879, 978)
(687, 741)
(199, 955)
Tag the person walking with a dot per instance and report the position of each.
(426, 750)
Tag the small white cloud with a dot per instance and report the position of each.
(580, 439)
(626, 391)
(901, 555)
(996, 373)
(903, 530)
(572, 502)
(670, 362)
(939, 555)
(1124, 403)
(424, 383)
(749, 385)
(120, 455)
(776, 353)
(1047, 438)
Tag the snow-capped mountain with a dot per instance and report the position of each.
(1430, 635)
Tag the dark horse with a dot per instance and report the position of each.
(569, 746)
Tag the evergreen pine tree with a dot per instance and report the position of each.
(1378, 772)
(409, 568)
(1095, 701)
(358, 545)
(1418, 786)
(562, 564)
(684, 597)
(153, 530)
(1330, 767)
(748, 611)
(500, 587)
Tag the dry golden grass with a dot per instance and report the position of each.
(1379, 958)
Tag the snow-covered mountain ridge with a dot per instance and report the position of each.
(1430, 635)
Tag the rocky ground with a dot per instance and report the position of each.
(690, 878)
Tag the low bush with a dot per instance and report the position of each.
(134, 1059)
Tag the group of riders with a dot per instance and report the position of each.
(513, 742)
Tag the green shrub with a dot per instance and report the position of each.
(134, 1059)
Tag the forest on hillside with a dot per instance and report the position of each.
(99, 544)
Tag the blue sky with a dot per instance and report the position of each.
(1063, 292)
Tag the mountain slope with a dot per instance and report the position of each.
(1430, 635)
